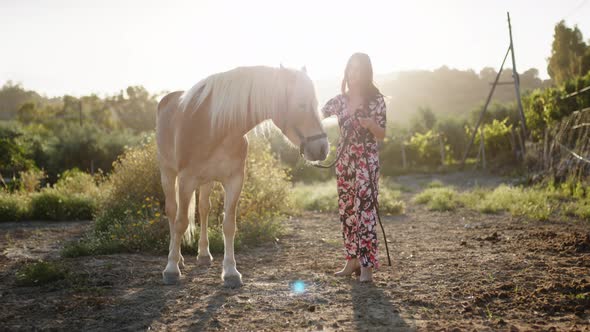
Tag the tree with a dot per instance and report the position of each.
(12, 96)
(423, 121)
(136, 109)
(570, 56)
(13, 157)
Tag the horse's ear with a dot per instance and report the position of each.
(304, 69)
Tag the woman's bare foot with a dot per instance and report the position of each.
(352, 266)
(366, 274)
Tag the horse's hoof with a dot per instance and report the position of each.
(232, 281)
(170, 278)
(204, 261)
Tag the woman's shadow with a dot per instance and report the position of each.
(373, 310)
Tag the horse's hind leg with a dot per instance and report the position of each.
(233, 187)
(204, 258)
(186, 189)
(168, 177)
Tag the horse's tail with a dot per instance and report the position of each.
(190, 235)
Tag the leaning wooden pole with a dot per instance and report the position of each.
(517, 86)
(484, 110)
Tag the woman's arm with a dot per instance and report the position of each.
(376, 123)
(373, 127)
(332, 107)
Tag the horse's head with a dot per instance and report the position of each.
(300, 120)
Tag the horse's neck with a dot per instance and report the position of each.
(258, 113)
(241, 129)
(257, 116)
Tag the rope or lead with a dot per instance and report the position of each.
(375, 202)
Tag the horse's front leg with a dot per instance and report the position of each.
(233, 187)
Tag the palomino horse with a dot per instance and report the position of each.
(201, 139)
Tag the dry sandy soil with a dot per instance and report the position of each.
(451, 271)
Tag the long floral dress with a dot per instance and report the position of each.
(356, 207)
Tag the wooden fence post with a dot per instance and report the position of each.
(404, 163)
(442, 150)
(546, 149)
(483, 148)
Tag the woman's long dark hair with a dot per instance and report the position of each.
(370, 91)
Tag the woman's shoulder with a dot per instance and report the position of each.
(378, 99)
(337, 101)
(338, 98)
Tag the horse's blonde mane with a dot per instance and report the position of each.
(240, 95)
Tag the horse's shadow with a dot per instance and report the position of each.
(373, 310)
(208, 319)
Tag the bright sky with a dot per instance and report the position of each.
(78, 47)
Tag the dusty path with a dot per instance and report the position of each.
(451, 271)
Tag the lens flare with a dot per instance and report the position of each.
(298, 287)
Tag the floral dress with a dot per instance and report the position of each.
(354, 172)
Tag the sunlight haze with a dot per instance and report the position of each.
(80, 47)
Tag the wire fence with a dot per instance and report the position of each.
(565, 149)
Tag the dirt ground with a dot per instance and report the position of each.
(451, 271)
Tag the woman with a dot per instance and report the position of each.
(361, 117)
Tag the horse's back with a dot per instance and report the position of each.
(171, 98)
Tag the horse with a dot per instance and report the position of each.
(201, 139)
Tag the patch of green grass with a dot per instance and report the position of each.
(580, 209)
(39, 273)
(91, 246)
(439, 199)
(474, 197)
(424, 197)
(321, 196)
(533, 203)
(435, 184)
(389, 183)
(253, 232)
(390, 202)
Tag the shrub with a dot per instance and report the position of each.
(30, 180)
(131, 211)
(50, 204)
(76, 182)
(427, 148)
(13, 207)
